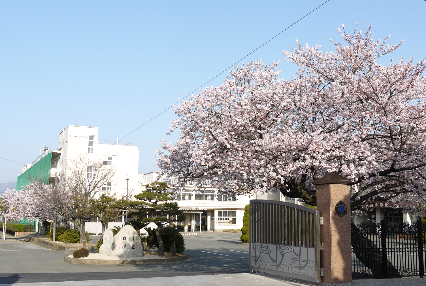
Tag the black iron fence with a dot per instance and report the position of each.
(388, 250)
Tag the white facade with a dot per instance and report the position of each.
(216, 212)
(83, 142)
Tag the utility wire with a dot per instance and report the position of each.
(227, 69)
(213, 78)
(11, 160)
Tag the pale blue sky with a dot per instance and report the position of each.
(117, 64)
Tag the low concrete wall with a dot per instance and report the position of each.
(59, 245)
(23, 233)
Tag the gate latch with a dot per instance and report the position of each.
(321, 220)
(322, 272)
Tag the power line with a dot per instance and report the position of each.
(11, 160)
(227, 69)
(213, 78)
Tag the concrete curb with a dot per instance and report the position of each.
(124, 261)
(59, 245)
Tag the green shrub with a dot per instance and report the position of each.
(71, 236)
(98, 245)
(246, 224)
(18, 227)
(168, 234)
(79, 253)
(59, 231)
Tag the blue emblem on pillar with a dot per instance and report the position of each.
(340, 209)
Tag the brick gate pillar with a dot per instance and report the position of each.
(333, 203)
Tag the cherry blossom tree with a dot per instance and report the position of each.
(49, 201)
(36, 201)
(17, 205)
(342, 111)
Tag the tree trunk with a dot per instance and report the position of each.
(83, 233)
(160, 241)
(173, 249)
(4, 229)
(370, 255)
(54, 226)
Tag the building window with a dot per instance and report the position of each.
(108, 161)
(106, 186)
(89, 172)
(393, 216)
(186, 196)
(227, 217)
(226, 197)
(204, 195)
(90, 145)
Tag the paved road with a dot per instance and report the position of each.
(216, 259)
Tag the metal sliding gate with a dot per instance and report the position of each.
(284, 240)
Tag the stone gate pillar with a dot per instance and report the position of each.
(333, 203)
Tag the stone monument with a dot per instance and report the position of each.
(107, 242)
(127, 243)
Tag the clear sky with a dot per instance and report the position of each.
(118, 64)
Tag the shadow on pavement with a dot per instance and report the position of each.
(288, 280)
(231, 241)
(9, 279)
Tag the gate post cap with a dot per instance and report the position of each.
(332, 178)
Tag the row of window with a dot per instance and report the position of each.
(204, 196)
(226, 217)
(107, 161)
(90, 145)
(105, 187)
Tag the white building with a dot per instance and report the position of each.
(83, 142)
(207, 208)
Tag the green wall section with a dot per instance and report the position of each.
(40, 172)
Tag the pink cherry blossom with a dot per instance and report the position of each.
(342, 111)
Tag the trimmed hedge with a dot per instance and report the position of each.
(18, 227)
